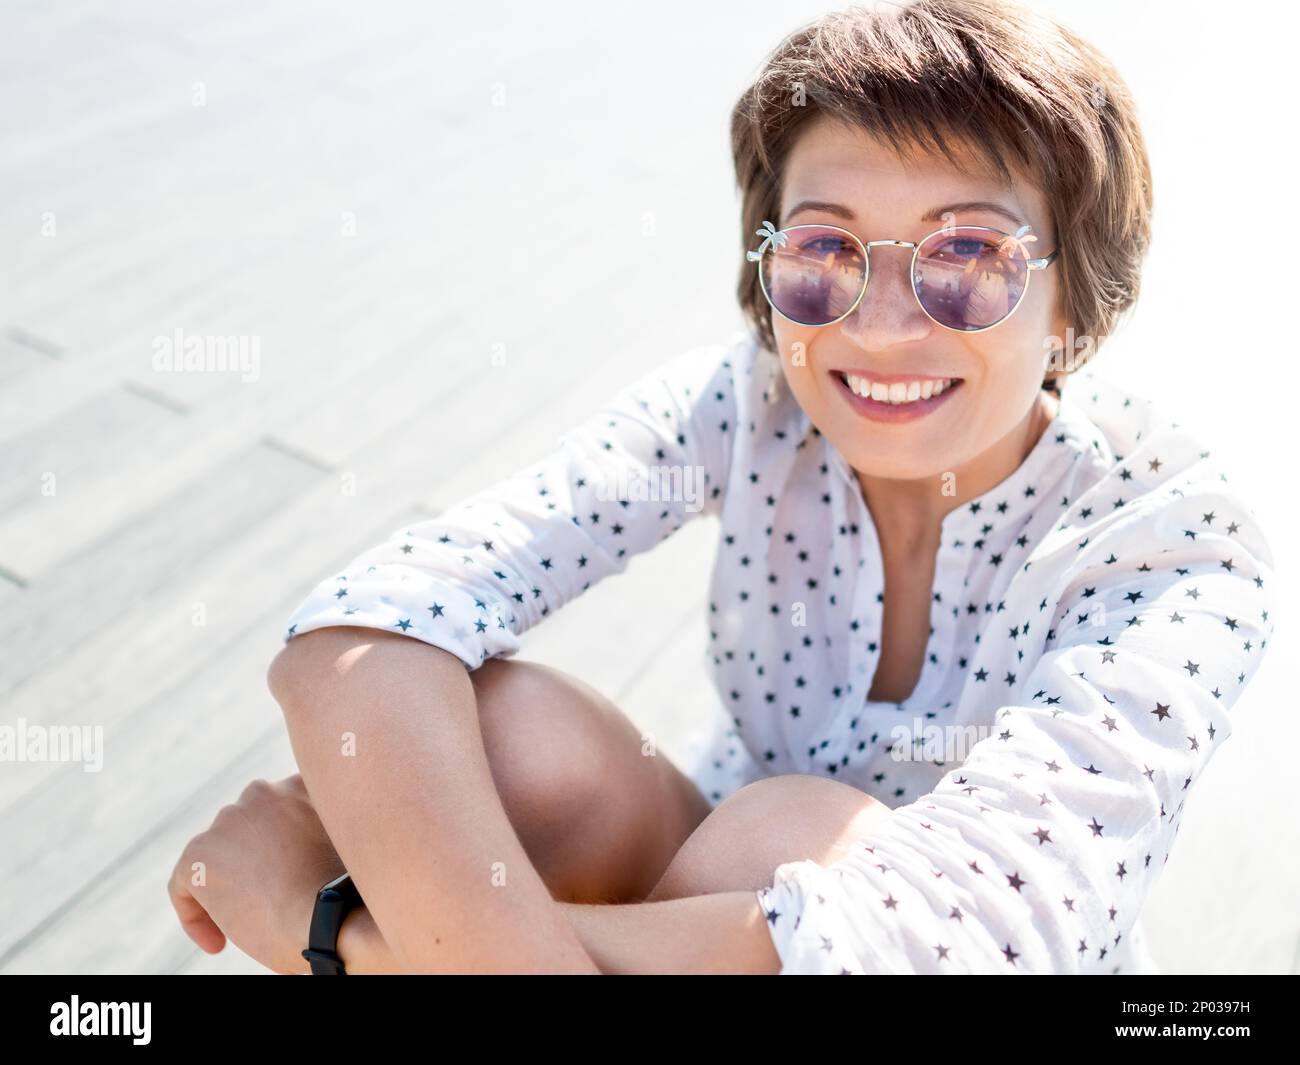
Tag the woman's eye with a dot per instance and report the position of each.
(967, 248)
(823, 246)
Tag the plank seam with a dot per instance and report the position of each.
(35, 343)
(314, 461)
(159, 398)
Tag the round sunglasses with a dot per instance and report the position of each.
(966, 278)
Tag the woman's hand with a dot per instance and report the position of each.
(253, 876)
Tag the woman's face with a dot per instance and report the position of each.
(839, 175)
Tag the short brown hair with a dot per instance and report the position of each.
(1013, 85)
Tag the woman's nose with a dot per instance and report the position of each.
(888, 312)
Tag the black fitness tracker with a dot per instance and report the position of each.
(333, 903)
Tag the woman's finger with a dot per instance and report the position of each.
(196, 922)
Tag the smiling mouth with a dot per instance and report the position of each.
(897, 393)
(900, 400)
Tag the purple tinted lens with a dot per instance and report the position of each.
(969, 278)
(815, 277)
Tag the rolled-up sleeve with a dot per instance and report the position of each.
(1036, 854)
(474, 578)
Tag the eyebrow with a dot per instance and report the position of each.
(935, 214)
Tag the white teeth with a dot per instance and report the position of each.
(897, 392)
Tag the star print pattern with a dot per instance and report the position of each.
(1095, 616)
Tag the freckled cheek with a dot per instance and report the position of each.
(795, 344)
(799, 359)
(1039, 324)
(1013, 356)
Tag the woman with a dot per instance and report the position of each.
(979, 625)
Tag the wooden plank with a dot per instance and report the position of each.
(533, 342)
(184, 219)
(272, 294)
(413, 384)
(45, 472)
(285, 165)
(144, 557)
(21, 353)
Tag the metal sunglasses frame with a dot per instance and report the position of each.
(772, 235)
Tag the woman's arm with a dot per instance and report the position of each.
(385, 732)
(363, 948)
(266, 855)
(1039, 851)
(722, 934)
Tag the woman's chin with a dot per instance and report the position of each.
(902, 470)
(889, 455)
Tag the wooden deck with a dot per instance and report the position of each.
(388, 205)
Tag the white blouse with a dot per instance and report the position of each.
(1095, 616)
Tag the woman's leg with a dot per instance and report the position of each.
(599, 819)
(703, 916)
(765, 824)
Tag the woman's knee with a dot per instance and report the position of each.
(541, 732)
(765, 824)
(596, 812)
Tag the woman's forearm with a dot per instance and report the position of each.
(362, 947)
(385, 732)
(723, 933)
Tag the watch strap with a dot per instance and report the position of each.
(324, 963)
(333, 903)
